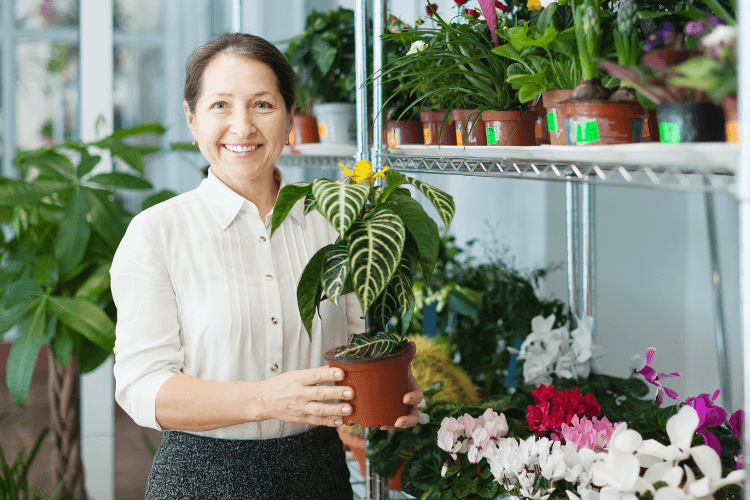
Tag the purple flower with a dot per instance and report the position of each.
(46, 8)
(713, 21)
(740, 462)
(737, 423)
(653, 377)
(710, 415)
(694, 28)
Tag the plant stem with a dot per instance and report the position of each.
(370, 321)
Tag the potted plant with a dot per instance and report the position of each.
(65, 226)
(384, 235)
(323, 60)
(304, 124)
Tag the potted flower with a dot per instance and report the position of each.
(384, 235)
(323, 61)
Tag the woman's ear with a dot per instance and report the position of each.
(189, 117)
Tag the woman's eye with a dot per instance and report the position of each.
(219, 105)
(263, 105)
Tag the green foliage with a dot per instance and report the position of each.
(65, 226)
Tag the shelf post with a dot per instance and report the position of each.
(573, 222)
(378, 129)
(588, 251)
(360, 47)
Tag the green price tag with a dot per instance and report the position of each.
(491, 139)
(669, 133)
(552, 121)
(587, 132)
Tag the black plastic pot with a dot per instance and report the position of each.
(690, 122)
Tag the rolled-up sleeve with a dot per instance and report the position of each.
(148, 350)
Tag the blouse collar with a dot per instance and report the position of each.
(224, 204)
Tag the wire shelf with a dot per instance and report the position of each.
(317, 155)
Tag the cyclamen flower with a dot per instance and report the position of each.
(737, 423)
(710, 415)
(431, 8)
(501, 6)
(593, 434)
(460, 2)
(471, 13)
(653, 377)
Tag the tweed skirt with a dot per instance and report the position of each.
(311, 465)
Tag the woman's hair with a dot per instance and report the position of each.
(239, 44)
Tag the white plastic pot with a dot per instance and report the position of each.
(336, 122)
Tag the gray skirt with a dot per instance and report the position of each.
(311, 465)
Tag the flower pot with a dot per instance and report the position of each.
(379, 387)
(690, 122)
(596, 123)
(510, 128)
(337, 122)
(357, 445)
(404, 132)
(304, 129)
(469, 132)
(541, 129)
(551, 100)
(731, 117)
(435, 130)
(651, 127)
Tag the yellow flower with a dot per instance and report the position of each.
(363, 172)
(534, 5)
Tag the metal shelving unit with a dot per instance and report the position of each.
(317, 155)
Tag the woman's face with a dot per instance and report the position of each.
(240, 119)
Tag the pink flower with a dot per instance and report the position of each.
(593, 434)
(468, 423)
(737, 423)
(653, 377)
(710, 415)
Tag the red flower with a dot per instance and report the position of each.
(555, 408)
(501, 6)
(543, 393)
(431, 8)
(471, 13)
(460, 2)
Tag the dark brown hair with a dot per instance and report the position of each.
(240, 44)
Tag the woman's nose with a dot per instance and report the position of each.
(244, 123)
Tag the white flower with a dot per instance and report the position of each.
(680, 429)
(710, 464)
(417, 46)
(721, 35)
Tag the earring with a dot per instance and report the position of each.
(195, 142)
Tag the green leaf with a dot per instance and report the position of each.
(507, 50)
(394, 179)
(464, 487)
(90, 356)
(24, 353)
(341, 204)
(365, 345)
(310, 203)
(335, 272)
(487, 488)
(47, 272)
(62, 346)
(422, 228)
(309, 289)
(54, 164)
(398, 295)
(85, 318)
(12, 315)
(146, 128)
(288, 196)
(422, 471)
(442, 202)
(433, 389)
(184, 146)
(87, 164)
(156, 198)
(120, 180)
(19, 292)
(324, 55)
(73, 233)
(95, 285)
(19, 193)
(375, 247)
(106, 217)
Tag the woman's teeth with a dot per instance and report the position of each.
(240, 149)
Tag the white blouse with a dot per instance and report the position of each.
(202, 289)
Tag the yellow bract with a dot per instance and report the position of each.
(363, 172)
(534, 5)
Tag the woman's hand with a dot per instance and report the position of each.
(411, 398)
(296, 396)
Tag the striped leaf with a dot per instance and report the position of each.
(310, 203)
(288, 196)
(370, 346)
(375, 247)
(335, 271)
(340, 203)
(398, 296)
(421, 227)
(442, 202)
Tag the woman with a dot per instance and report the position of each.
(210, 346)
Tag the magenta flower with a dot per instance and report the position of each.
(653, 377)
(737, 423)
(694, 28)
(710, 415)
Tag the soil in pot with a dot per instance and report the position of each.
(510, 128)
(596, 123)
(304, 129)
(690, 122)
(436, 131)
(731, 118)
(551, 100)
(469, 128)
(404, 132)
(379, 386)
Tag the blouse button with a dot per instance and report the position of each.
(274, 321)
(269, 277)
(274, 367)
(262, 239)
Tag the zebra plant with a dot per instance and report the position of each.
(384, 235)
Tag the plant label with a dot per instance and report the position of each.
(459, 140)
(587, 131)
(669, 133)
(427, 138)
(552, 124)
(323, 129)
(491, 139)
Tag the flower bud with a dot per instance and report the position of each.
(626, 17)
(431, 8)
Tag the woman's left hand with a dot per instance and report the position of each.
(411, 398)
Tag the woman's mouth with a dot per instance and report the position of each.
(242, 149)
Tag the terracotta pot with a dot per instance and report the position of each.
(357, 445)
(304, 129)
(379, 387)
(651, 127)
(541, 129)
(596, 123)
(469, 132)
(690, 122)
(404, 132)
(731, 117)
(435, 130)
(510, 128)
(555, 118)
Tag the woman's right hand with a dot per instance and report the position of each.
(297, 396)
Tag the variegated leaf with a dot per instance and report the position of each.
(370, 346)
(375, 247)
(442, 201)
(335, 271)
(310, 203)
(398, 295)
(341, 204)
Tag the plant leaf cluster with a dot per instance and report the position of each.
(62, 226)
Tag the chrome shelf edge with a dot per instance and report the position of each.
(314, 161)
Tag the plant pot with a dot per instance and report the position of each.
(596, 123)
(690, 122)
(469, 132)
(357, 445)
(551, 100)
(510, 128)
(731, 118)
(337, 122)
(304, 129)
(651, 127)
(379, 387)
(541, 129)
(436, 131)
(404, 132)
